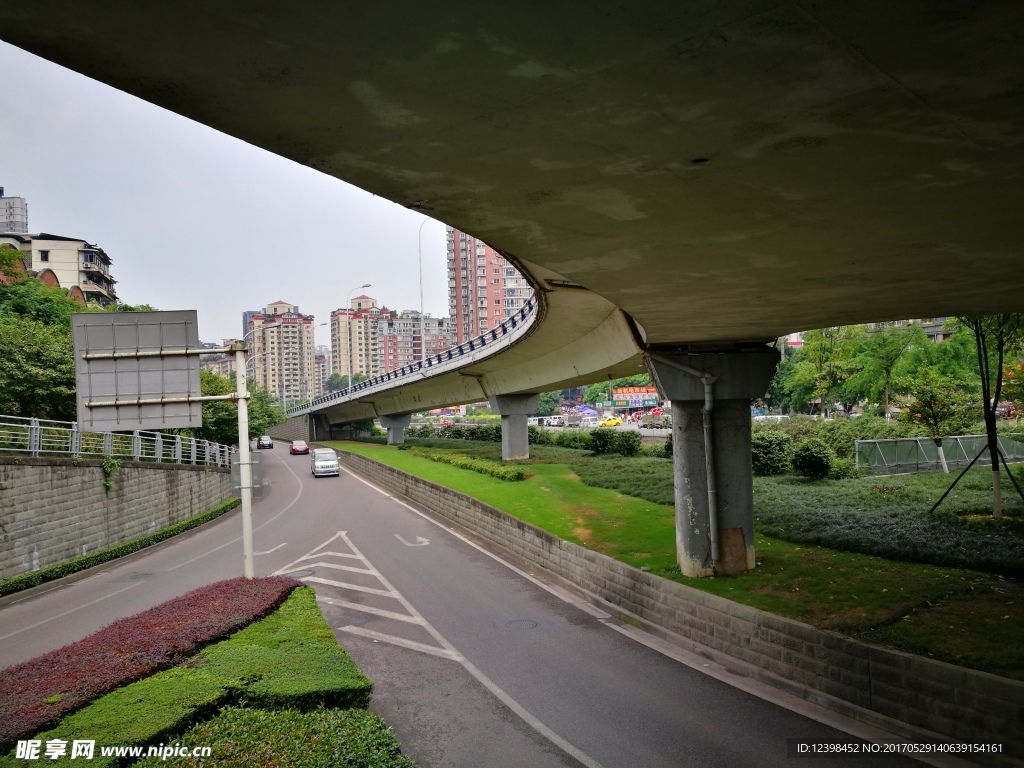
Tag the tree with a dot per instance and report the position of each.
(220, 417)
(12, 262)
(31, 298)
(777, 397)
(823, 365)
(995, 337)
(37, 369)
(336, 382)
(602, 390)
(940, 405)
(877, 359)
(549, 403)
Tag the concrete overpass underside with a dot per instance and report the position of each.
(700, 177)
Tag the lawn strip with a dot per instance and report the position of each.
(845, 591)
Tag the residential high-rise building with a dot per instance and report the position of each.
(281, 355)
(320, 364)
(483, 287)
(13, 214)
(354, 339)
(70, 261)
(401, 342)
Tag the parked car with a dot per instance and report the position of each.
(589, 421)
(611, 421)
(264, 441)
(298, 446)
(324, 461)
(556, 421)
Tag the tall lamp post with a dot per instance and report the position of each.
(348, 308)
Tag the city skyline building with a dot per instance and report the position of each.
(281, 352)
(354, 338)
(483, 287)
(13, 215)
(405, 335)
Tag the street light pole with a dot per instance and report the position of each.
(348, 308)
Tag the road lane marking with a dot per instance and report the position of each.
(338, 567)
(72, 610)
(420, 541)
(412, 645)
(368, 609)
(272, 550)
(489, 684)
(344, 585)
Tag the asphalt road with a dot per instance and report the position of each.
(475, 663)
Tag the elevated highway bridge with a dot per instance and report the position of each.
(681, 182)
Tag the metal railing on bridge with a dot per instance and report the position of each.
(503, 334)
(920, 454)
(43, 437)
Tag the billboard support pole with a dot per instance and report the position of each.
(244, 468)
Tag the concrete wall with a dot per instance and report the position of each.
(52, 510)
(866, 682)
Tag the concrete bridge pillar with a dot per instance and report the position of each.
(319, 428)
(714, 491)
(515, 437)
(395, 425)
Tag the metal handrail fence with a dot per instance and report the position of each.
(455, 357)
(45, 437)
(920, 454)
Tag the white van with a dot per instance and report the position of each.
(589, 422)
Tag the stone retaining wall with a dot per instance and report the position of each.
(855, 679)
(52, 510)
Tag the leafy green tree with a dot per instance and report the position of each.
(823, 365)
(220, 417)
(940, 405)
(997, 338)
(12, 262)
(549, 403)
(30, 298)
(335, 382)
(777, 397)
(37, 369)
(877, 359)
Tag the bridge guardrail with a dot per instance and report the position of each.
(455, 357)
(46, 437)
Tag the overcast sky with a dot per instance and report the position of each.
(195, 219)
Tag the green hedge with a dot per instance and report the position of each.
(770, 451)
(813, 459)
(26, 580)
(242, 738)
(289, 660)
(492, 468)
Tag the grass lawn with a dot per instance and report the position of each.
(958, 615)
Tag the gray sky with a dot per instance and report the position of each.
(194, 219)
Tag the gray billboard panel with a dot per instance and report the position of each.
(127, 379)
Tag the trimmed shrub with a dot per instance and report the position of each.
(26, 580)
(352, 738)
(602, 441)
(813, 459)
(668, 446)
(770, 451)
(36, 693)
(492, 468)
(574, 438)
(844, 469)
(539, 436)
(628, 443)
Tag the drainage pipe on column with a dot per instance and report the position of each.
(709, 457)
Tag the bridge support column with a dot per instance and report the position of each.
(395, 425)
(319, 428)
(515, 437)
(714, 490)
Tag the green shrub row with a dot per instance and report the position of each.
(242, 738)
(26, 580)
(492, 468)
(604, 441)
(289, 660)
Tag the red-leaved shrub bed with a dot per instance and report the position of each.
(36, 694)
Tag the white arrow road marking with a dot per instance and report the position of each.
(272, 550)
(420, 541)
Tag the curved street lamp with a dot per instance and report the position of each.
(348, 308)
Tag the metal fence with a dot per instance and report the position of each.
(920, 454)
(42, 437)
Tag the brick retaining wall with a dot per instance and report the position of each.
(52, 510)
(855, 679)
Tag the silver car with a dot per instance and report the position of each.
(324, 461)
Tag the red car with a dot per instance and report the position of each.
(298, 446)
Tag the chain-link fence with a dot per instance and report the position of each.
(920, 454)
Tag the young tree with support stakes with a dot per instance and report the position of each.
(996, 337)
(940, 406)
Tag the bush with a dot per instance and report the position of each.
(540, 436)
(628, 443)
(129, 650)
(602, 441)
(813, 459)
(492, 468)
(844, 469)
(668, 446)
(770, 452)
(574, 438)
